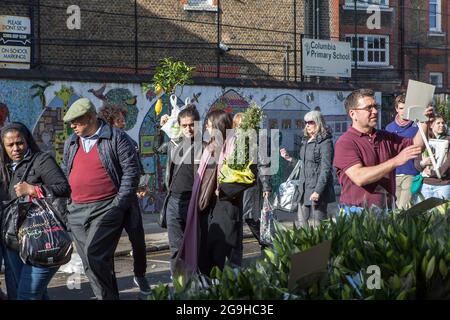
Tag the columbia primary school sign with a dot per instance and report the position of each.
(326, 58)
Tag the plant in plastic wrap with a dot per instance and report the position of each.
(267, 226)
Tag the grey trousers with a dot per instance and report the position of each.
(96, 229)
(176, 214)
(311, 215)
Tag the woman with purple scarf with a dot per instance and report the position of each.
(212, 234)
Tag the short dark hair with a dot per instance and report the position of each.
(190, 111)
(351, 102)
(109, 112)
(399, 99)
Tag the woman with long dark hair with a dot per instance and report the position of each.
(20, 152)
(194, 254)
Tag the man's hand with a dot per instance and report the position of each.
(429, 113)
(406, 154)
(285, 155)
(164, 119)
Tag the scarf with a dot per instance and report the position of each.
(187, 258)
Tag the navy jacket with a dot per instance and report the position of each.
(119, 158)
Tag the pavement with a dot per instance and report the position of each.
(156, 237)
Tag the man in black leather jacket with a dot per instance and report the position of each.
(103, 171)
(179, 179)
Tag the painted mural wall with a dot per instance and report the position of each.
(41, 106)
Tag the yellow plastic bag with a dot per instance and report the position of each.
(228, 175)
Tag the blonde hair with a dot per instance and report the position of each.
(317, 117)
(237, 119)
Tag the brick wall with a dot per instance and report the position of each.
(106, 41)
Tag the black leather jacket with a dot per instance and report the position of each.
(119, 158)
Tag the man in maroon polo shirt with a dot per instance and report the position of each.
(366, 158)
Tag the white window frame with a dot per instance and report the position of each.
(200, 5)
(350, 4)
(440, 76)
(366, 49)
(438, 13)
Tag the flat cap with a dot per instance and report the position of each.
(79, 108)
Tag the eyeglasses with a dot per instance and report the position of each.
(369, 108)
(311, 123)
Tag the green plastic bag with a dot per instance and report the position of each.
(416, 184)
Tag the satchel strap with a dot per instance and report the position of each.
(27, 171)
(294, 171)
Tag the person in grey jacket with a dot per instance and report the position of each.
(316, 178)
(102, 166)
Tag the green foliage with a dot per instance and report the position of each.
(171, 73)
(442, 108)
(412, 252)
(240, 158)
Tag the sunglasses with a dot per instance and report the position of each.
(311, 123)
(369, 108)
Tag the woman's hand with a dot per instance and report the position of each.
(426, 161)
(427, 171)
(314, 197)
(24, 189)
(285, 155)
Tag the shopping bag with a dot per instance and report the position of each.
(43, 240)
(267, 225)
(288, 194)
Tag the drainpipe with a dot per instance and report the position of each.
(314, 19)
(317, 19)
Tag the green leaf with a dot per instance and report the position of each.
(430, 268)
(402, 296)
(443, 269)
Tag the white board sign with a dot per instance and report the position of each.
(326, 58)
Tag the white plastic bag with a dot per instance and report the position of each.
(171, 127)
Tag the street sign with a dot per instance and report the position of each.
(15, 42)
(14, 24)
(326, 58)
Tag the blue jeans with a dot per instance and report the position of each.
(429, 191)
(31, 281)
(348, 210)
(10, 282)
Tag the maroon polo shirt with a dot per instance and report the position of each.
(354, 147)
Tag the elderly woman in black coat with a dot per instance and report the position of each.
(19, 152)
(315, 178)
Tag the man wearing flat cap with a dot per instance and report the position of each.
(103, 171)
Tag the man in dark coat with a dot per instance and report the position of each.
(102, 166)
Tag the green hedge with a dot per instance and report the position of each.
(412, 252)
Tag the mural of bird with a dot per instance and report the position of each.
(40, 92)
(99, 93)
(195, 97)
